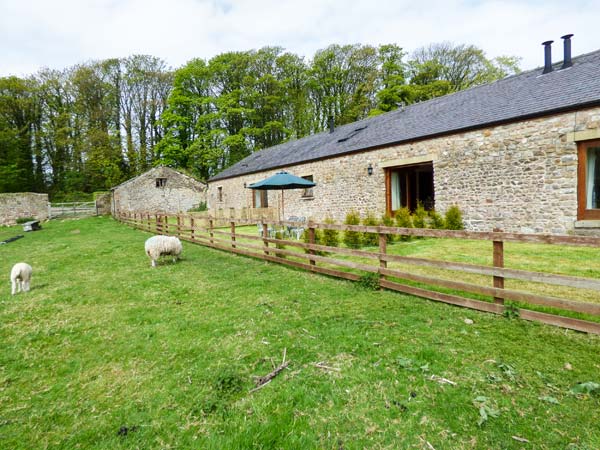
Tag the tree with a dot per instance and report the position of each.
(18, 114)
(342, 84)
(463, 66)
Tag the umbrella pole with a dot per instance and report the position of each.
(281, 212)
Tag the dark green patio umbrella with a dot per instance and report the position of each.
(282, 180)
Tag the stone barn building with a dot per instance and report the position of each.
(160, 189)
(521, 154)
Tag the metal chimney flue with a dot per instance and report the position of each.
(567, 46)
(331, 124)
(547, 56)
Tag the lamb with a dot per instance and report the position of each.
(20, 277)
(156, 246)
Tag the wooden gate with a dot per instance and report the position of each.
(72, 209)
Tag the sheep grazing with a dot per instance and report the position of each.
(20, 277)
(157, 246)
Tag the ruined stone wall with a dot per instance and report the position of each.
(179, 193)
(19, 205)
(103, 203)
(519, 177)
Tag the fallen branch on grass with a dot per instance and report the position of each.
(321, 365)
(262, 381)
(442, 380)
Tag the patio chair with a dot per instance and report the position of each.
(259, 225)
(293, 230)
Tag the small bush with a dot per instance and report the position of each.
(388, 221)
(437, 221)
(403, 220)
(279, 235)
(419, 217)
(352, 239)
(331, 238)
(369, 281)
(370, 239)
(318, 240)
(201, 207)
(454, 218)
(21, 220)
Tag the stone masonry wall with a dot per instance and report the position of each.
(519, 177)
(179, 194)
(19, 205)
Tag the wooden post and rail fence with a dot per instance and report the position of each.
(314, 257)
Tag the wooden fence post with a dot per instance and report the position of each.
(193, 228)
(265, 233)
(178, 225)
(382, 253)
(233, 234)
(311, 241)
(210, 230)
(149, 221)
(157, 224)
(498, 262)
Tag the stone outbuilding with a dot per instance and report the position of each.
(521, 154)
(159, 190)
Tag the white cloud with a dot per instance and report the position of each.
(61, 33)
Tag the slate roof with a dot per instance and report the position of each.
(158, 169)
(526, 95)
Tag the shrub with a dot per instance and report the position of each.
(420, 216)
(331, 238)
(352, 239)
(279, 235)
(370, 239)
(454, 218)
(318, 240)
(21, 220)
(201, 207)
(388, 221)
(437, 221)
(403, 220)
(369, 281)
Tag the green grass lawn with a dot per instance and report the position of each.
(107, 352)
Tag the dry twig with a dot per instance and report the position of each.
(442, 380)
(262, 381)
(321, 365)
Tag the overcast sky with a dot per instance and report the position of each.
(60, 33)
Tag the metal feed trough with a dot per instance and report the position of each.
(32, 225)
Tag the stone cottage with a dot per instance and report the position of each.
(160, 189)
(521, 154)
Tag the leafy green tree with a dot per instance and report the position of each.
(342, 84)
(18, 115)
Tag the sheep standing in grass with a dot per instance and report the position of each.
(20, 277)
(156, 246)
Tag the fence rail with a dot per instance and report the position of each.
(305, 256)
(72, 209)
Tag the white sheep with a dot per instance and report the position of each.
(156, 246)
(20, 277)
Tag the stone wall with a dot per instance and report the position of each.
(179, 193)
(104, 203)
(520, 177)
(19, 205)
